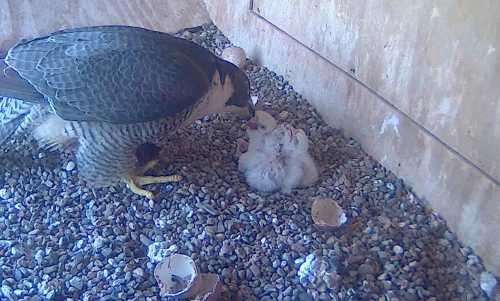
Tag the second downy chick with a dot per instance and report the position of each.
(278, 160)
(301, 170)
(263, 165)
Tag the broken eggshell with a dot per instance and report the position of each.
(327, 214)
(207, 287)
(235, 55)
(175, 275)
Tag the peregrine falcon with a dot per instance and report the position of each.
(106, 90)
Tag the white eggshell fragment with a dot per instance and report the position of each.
(175, 275)
(235, 55)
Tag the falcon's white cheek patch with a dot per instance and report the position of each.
(220, 93)
(214, 101)
(255, 99)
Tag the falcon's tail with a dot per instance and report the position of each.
(17, 98)
(14, 86)
(12, 115)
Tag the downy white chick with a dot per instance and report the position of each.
(260, 126)
(301, 170)
(257, 129)
(263, 165)
(280, 162)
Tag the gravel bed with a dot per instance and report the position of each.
(61, 240)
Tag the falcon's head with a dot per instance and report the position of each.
(235, 89)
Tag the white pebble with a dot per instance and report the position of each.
(306, 268)
(7, 291)
(398, 250)
(70, 166)
(158, 251)
(342, 218)
(98, 242)
(390, 186)
(488, 282)
(39, 256)
(139, 272)
(4, 193)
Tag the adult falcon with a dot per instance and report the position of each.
(111, 89)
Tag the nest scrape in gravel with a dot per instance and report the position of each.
(63, 241)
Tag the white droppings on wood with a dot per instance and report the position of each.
(435, 13)
(446, 111)
(390, 122)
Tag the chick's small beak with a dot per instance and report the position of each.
(252, 123)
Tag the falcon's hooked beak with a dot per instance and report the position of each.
(251, 108)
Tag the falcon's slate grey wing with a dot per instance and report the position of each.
(17, 98)
(115, 74)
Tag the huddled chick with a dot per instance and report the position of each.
(295, 149)
(257, 129)
(276, 156)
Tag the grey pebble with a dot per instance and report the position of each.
(207, 208)
(106, 252)
(145, 240)
(255, 270)
(226, 249)
(76, 282)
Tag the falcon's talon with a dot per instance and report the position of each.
(145, 180)
(137, 190)
(135, 182)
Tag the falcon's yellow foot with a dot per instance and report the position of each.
(135, 182)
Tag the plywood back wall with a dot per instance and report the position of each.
(26, 19)
(415, 82)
